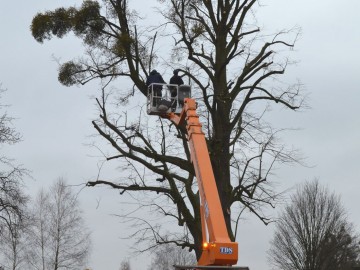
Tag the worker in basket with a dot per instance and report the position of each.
(156, 78)
(175, 79)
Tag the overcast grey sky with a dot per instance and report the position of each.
(55, 121)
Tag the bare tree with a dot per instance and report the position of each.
(38, 233)
(13, 244)
(234, 70)
(13, 219)
(58, 238)
(12, 198)
(313, 233)
(166, 256)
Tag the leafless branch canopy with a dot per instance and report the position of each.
(234, 70)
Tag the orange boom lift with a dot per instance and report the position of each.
(219, 252)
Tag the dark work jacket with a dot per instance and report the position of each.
(176, 79)
(154, 77)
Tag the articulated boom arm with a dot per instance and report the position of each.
(217, 246)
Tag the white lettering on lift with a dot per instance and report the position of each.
(226, 250)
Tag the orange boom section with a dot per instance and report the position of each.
(218, 249)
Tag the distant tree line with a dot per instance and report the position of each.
(45, 233)
(49, 234)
